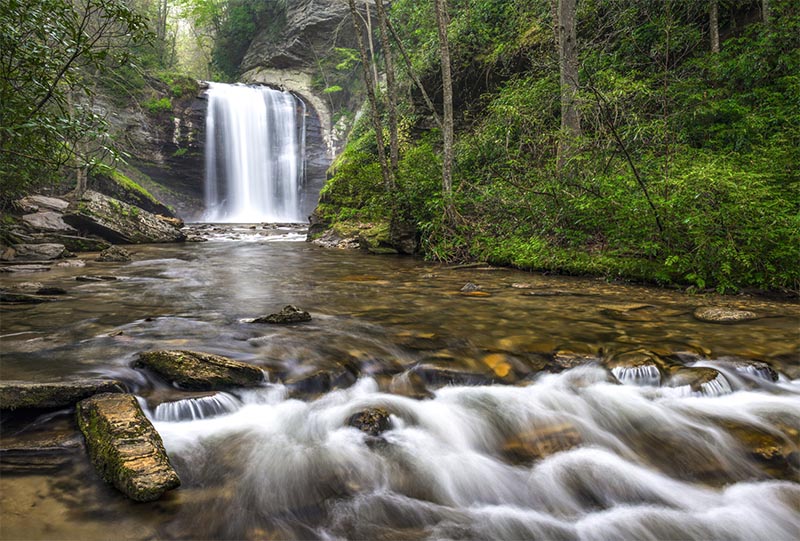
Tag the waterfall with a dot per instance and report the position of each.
(255, 149)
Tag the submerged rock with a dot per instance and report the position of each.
(95, 278)
(120, 222)
(115, 254)
(125, 448)
(541, 442)
(321, 381)
(289, 314)
(717, 314)
(57, 394)
(200, 371)
(371, 421)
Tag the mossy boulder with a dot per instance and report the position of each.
(120, 222)
(198, 371)
(376, 239)
(50, 395)
(124, 447)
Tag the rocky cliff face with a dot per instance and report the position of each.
(291, 59)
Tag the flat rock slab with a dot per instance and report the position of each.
(33, 203)
(37, 252)
(57, 394)
(125, 448)
(25, 268)
(198, 371)
(48, 221)
(715, 314)
(23, 298)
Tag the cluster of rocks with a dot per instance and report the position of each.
(50, 229)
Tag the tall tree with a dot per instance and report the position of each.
(442, 22)
(713, 24)
(568, 67)
(388, 177)
(766, 11)
(391, 91)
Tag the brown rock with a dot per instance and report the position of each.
(125, 448)
(541, 442)
(200, 371)
(57, 394)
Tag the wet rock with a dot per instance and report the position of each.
(95, 278)
(71, 264)
(371, 421)
(409, 384)
(25, 268)
(757, 369)
(115, 254)
(196, 238)
(404, 236)
(437, 376)
(700, 380)
(36, 252)
(40, 453)
(125, 448)
(46, 221)
(321, 381)
(51, 290)
(23, 298)
(58, 394)
(120, 222)
(628, 311)
(717, 314)
(541, 442)
(289, 314)
(469, 287)
(567, 360)
(34, 203)
(200, 371)
(638, 367)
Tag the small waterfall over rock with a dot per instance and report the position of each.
(192, 409)
(255, 146)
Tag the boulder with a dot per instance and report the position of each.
(321, 381)
(50, 395)
(36, 252)
(289, 314)
(700, 380)
(120, 222)
(46, 221)
(34, 203)
(114, 254)
(718, 314)
(124, 447)
(200, 371)
(371, 421)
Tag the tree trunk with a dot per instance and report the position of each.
(442, 20)
(713, 24)
(388, 178)
(391, 92)
(766, 11)
(371, 45)
(568, 65)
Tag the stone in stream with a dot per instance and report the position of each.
(124, 447)
(114, 254)
(200, 371)
(95, 278)
(473, 290)
(700, 380)
(23, 298)
(289, 314)
(540, 442)
(718, 314)
(50, 395)
(371, 421)
(321, 381)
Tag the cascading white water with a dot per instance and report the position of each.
(254, 154)
(192, 409)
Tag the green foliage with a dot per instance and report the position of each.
(158, 105)
(51, 52)
(713, 138)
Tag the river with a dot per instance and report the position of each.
(506, 421)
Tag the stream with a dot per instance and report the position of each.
(508, 418)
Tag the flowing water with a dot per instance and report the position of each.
(255, 148)
(542, 408)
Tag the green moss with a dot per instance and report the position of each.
(127, 183)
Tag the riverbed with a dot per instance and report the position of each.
(508, 417)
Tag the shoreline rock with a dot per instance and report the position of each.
(288, 314)
(51, 395)
(124, 446)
